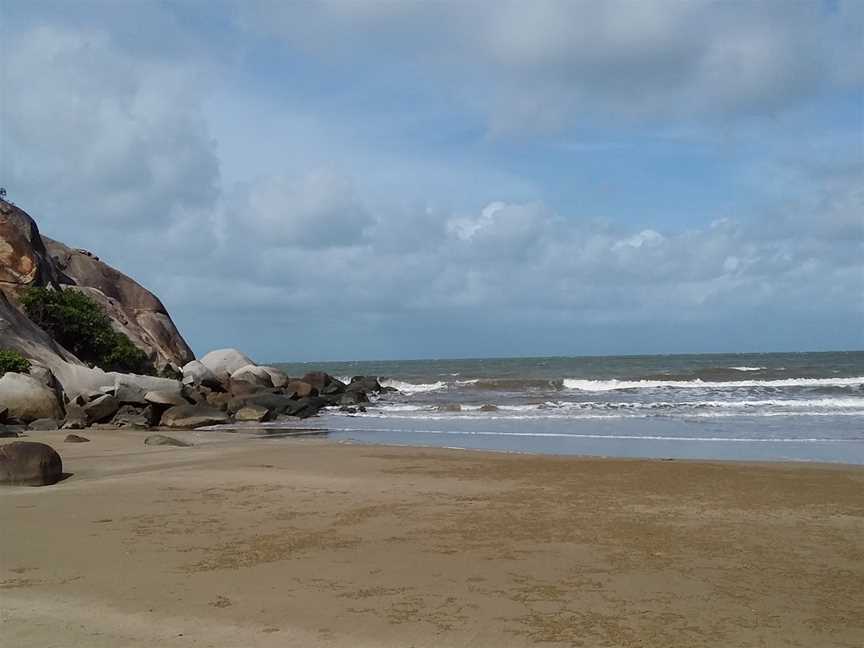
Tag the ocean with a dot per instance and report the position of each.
(754, 406)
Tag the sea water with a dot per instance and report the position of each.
(771, 406)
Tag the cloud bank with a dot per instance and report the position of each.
(360, 179)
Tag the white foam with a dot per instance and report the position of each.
(747, 368)
(612, 385)
(414, 388)
(632, 437)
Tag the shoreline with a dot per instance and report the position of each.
(314, 542)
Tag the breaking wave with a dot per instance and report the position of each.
(614, 384)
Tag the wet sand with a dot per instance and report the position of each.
(305, 542)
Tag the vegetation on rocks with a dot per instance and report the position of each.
(80, 324)
(13, 361)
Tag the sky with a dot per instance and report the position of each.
(384, 179)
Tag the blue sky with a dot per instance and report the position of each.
(373, 179)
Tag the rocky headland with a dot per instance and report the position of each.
(62, 391)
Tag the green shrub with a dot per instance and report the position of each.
(13, 361)
(78, 323)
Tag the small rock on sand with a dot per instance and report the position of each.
(74, 438)
(161, 439)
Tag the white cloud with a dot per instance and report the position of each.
(538, 66)
(317, 209)
(122, 140)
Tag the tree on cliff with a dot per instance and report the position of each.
(80, 325)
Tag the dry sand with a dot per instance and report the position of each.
(305, 542)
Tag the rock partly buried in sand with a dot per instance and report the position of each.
(74, 438)
(252, 414)
(225, 360)
(27, 463)
(162, 440)
(44, 425)
(27, 399)
(193, 416)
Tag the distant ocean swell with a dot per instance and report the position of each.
(805, 406)
(579, 384)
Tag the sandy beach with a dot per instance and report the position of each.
(306, 542)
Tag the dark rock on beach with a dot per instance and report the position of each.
(27, 463)
(74, 438)
(300, 389)
(324, 382)
(364, 384)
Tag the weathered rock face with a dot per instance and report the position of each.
(26, 463)
(19, 333)
(24, 261)
(27, 399)
(29, 259)
(133, 309)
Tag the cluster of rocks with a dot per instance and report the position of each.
(225, 386)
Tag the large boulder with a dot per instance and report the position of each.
(300, 389)
(324, 382)
(199, 374)
(27, 399)
(101, 409)
(166, 399)
(277, 377)
(275, 403)
(26, 463)
(252, 374)
(306, 407)
(364, 384)
(253, 414)
(223, 361)
(147, 383)
(193, 416)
